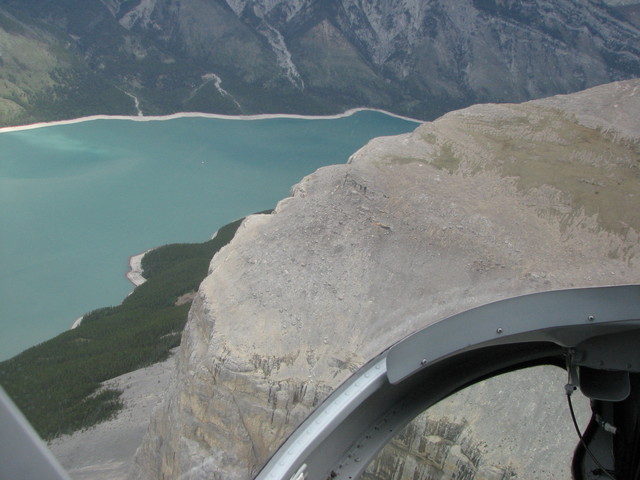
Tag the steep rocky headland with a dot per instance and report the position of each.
(482, 204)
(60, 60)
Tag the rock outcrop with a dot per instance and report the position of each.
(482, 204)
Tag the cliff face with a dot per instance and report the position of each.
(482, 204)
(415, 57)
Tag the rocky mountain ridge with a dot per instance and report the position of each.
(482, 204)
(418, 58)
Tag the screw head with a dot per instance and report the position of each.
(499, 330)
(591, 318)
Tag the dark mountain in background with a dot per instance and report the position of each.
(67, 58)
(631, 13)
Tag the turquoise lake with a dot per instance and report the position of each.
(77, 200)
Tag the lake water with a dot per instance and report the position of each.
(77, 200)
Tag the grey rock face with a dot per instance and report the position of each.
(482, 204)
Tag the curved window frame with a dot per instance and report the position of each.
(595, 329)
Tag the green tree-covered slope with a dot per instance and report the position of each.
(57, 384)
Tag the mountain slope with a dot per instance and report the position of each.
(420, 58)
(42, 76)
(482, 204)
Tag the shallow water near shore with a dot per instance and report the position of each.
(76, 200)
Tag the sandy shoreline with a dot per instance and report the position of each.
(261, 116)
(134, 275)
(76, 323)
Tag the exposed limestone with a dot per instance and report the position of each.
(141, 14)
(279, 47)
(483, 204)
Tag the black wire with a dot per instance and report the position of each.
(575, 424)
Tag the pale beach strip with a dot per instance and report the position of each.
(261, 116)
(134, 275)
(76, 323)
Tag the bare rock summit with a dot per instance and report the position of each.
(484, 203)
